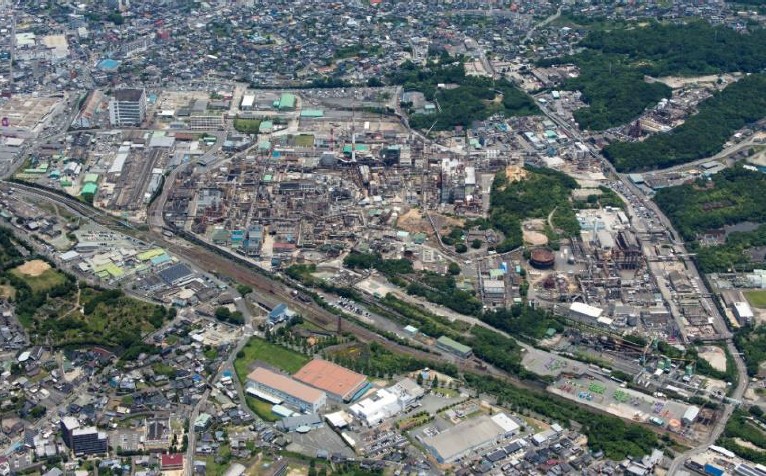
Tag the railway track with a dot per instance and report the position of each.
(274, 292)
(271, 291)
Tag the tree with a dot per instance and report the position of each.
(461, 248)
(453, 269)
(37, 411)
(476, 244)
(244, 289)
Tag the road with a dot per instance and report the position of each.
(717, 430)
(155, 210)
(550, 19)
(192, 443)
(732, 149)
(693, 273)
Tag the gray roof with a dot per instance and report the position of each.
(128, 94)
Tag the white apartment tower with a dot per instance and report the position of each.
(127, 107)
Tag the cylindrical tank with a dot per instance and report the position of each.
(542, 258)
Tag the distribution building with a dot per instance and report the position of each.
(289, 391)
(338, 382)
(467, 436)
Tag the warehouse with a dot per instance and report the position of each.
(579, 310)
(494, 288)
(690, 415)
(291, 392)
(387, 402)
(744, 313)
(456, 348)
(286, 102)
(339, 383)
(373, 410)
(248, 100)
(463, 438)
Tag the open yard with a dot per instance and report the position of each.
(247, 126)
(39, 275)
(7, 292)
(262, 409)
(304, 140)
(277, 356)
(33, 268)
(756, 298)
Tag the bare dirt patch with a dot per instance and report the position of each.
(747, 444)
(676, 82)
(715, 356)
(33, 268)
(7, 292)
(535, 238)
(414, 222)
(514, 173)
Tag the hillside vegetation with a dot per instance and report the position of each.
(702, 135)
(617, 57)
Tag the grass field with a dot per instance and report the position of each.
(48, 280)
(447, 392)
(272, 354)
(262, 409)
(217, 469)
(304, 140)
(247, 126)
(756, 298)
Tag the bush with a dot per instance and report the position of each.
(453, 269)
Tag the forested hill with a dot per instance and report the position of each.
(615, 60)
(702, 135)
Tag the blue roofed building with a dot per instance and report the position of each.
(281, 313)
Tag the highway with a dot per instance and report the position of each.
(718, 321)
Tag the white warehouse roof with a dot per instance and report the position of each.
(587, 310)
(744, 311)
(505, 422)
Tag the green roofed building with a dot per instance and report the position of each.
(358, 148)
(453, 347)
(312, 113)
(265, 127)
(91, 178)
(286, 101)
(90, 188)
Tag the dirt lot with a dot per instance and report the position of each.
(34, 268)
(535, 238)
(7, 292)
(715, 357)
(676, 82)
(415, 222)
